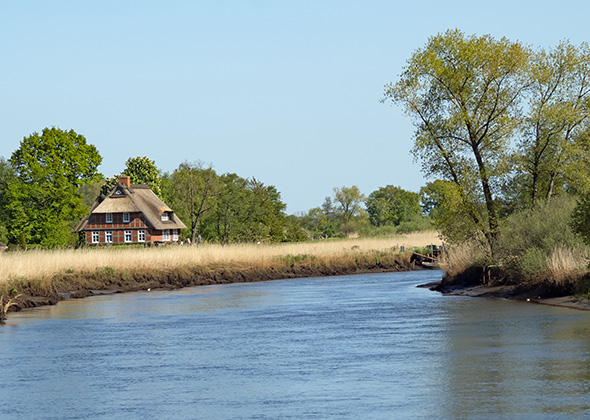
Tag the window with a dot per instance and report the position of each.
(164, 216)
(174, 235)
(166, 235)
(108, 237)
(109, 217)
(141, 236)
(126, 218)
(95, 237)
(128, 235)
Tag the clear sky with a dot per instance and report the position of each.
(284, 91)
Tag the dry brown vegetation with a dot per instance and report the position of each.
(565, 265)
(41, 272)
(562, 267)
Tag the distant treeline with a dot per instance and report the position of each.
(51, 181)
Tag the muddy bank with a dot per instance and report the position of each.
(106, 281)
(541, 291)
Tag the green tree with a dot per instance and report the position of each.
(268, 212)
(555, 129)
(7, 176)
(192, 191)
(141, 170)
(450, 213)
(44, 200)
(580, 217)
(463, 94)
(349, 202)
(317, 223)
(391, 205)
(229, 218)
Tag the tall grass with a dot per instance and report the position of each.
(42, 265)
(566, 264)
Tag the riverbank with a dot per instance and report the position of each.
(106, 281)
(46, 277)
(540, 291)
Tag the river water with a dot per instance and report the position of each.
(350, 347)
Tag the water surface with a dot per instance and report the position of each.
(364, 346)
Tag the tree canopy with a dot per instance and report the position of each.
(43, 198)
(141, 170)
(192, 190)
(391, 205)
(463, 94)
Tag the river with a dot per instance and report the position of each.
(350, 347)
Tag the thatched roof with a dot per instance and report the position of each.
(135, 198)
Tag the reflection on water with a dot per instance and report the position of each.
(366, 346)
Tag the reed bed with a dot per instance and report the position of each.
(43, 265)
(565, 264)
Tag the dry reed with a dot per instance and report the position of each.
(564, 264)
(44, 264)
(461, 257)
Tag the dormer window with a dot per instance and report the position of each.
(165, 217)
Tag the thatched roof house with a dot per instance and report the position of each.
(130, 214)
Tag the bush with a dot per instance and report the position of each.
(580, 220)
(528, 238)
(533, 261)
(416, 225)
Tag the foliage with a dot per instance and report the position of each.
(580, 219)
(463, 93)
(450, 212)
(528, 237)
(191, 190)
(418, 224)
(267, 212)
(141, 170)
(90, 192)
(7, 175)
(245, 211)
(43, 199)
(339, 216)
(348, 202)
(553, 144)
(391, 205)
(293, 231)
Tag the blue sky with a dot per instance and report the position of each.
(284, 91)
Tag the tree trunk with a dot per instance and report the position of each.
(492, 230)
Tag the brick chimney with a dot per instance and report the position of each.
(125, 180)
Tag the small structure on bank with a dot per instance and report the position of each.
(130, 214)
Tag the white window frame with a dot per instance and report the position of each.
(165, 217)
(141, 236)
(175, 235)
(95, 236)
(166, 235)
(126, 217)
(108, 236)
(128, 236)
(109, 217)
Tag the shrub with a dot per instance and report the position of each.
(528, 237)
(532, 261)
(580, 219)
